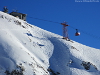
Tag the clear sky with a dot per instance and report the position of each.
(84, 16)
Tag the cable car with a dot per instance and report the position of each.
(77, 33)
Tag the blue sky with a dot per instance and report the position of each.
(84, 16)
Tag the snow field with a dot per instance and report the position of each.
(32, 50)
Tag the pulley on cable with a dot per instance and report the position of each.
(77, 33)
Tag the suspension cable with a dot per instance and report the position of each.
(94, 36)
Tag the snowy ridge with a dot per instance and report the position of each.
(26, 49)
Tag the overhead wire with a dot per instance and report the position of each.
(92, 35)
(87, 33)
(44, 20)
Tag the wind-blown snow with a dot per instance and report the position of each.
(34, 51)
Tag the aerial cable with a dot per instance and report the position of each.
(85, 32)
(94, 36)
(44, 20)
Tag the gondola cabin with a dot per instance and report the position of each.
(77, 33)
(19, 15)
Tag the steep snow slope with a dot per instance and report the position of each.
(28, 50)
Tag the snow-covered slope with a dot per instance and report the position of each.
(29, 50)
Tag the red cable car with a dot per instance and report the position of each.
(77, 33)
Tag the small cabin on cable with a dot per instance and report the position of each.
(77, 33)
(19, 15)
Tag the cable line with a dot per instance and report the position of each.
(94, 36)
(45, 20)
